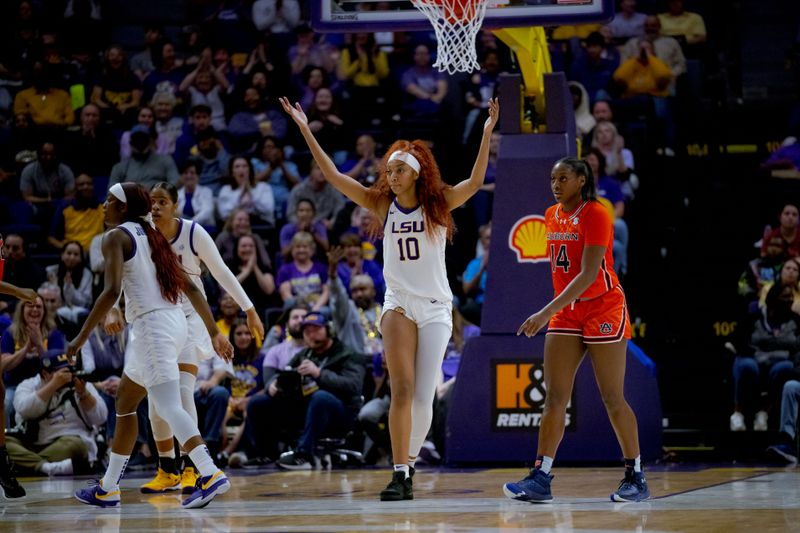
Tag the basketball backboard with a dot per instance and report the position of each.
(401, 15)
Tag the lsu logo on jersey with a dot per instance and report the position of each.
(528, 239)
(518, 396)
(605, 328)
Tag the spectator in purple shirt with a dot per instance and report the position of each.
(303, 279)
(425, 87)
(278, 353)
(305, 213)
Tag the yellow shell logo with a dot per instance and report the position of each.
(528, 239)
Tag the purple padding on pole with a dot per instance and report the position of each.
(519, 284)
(487, 427)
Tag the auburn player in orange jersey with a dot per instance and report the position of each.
(588, 313)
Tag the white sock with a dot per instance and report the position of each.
(412, 461)
(202, 460)
(637, 466)
(402, 468)
(547, 464)
(116, 467)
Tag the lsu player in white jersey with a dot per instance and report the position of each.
(193, 246)
(140, 262)
(415, 204)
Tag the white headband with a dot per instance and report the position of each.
(406, 158)
(119, 193)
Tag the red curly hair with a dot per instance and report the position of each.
(429, 187)
(169, 271)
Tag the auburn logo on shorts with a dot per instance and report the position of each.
(528, 239)
(518, 395)
(605, 328)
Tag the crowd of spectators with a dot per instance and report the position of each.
(199, 109)
(766, 366)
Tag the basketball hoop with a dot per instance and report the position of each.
(456, 23)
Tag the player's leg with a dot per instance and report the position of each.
(188, 378)
(10, 485)
(107, 493)
(562, 357)
(167, 401)
(609, 361)
(170, 474)
(400, 345)
(167, 477)
(431, 348)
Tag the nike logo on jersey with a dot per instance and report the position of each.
(391, 212)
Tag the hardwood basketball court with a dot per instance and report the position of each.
(686, 499)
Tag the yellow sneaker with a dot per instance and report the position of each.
(163, 482)
(188, 480)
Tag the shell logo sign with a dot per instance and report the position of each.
(528, 239)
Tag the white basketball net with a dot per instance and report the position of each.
(456, 23)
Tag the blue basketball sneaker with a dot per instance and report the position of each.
(207, 488)
(95, 495)
(632, 489)
(535, 488)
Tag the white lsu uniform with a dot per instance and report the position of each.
(193, 246)
(158, 327)
(414, 268)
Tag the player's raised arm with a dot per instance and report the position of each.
(464, 190)
(343, 183)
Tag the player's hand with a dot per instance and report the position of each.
(296, 112)
(272, 390)
(494, 115)
(254, 324)
(74, 347)
(113, 322)
(223, 347)
(533, 324)
(28, 295)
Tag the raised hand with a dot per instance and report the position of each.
(335, 255)
(494, 115)
(296, 112)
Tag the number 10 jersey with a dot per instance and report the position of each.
(413, 261)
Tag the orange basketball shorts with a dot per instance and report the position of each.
(600, 320)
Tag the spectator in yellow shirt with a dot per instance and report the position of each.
(46, 105)
(683, 24)
(644, 74)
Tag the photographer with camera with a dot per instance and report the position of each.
(319, 391)
(58, 413)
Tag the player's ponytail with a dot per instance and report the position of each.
(581, 168)
(169, 272)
